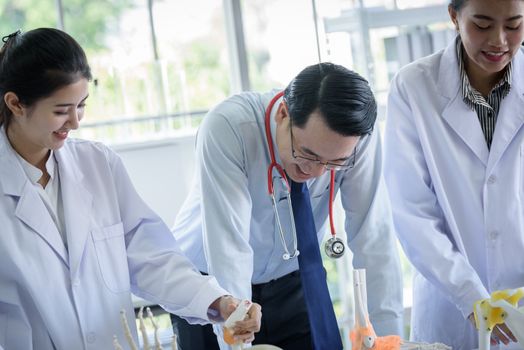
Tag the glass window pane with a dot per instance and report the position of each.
(419, 3)
(390, 4)
(115, 35)
(192, 44)
(278, 45)
(26, 15)
(380, 50)
(141, 90)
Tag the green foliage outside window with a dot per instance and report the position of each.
(23, 14)
(87, 21)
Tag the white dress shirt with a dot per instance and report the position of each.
(51, 193)
(227, 226)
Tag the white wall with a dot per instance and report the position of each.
(161, 171)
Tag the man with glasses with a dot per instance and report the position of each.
(324, 120)
(306, 157)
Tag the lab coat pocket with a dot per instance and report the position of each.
(111, 254)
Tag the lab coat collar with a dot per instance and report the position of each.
(458, 115)
(448, 82)
(12, 174)
(517, 73)
(511, 117)
(30, 209)
(33, 173)
(78, 203)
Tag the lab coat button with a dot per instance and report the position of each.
(494, 235)
(91, 337)
(492, 179)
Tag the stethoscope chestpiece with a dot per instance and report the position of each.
(335, 247)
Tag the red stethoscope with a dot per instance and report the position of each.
(334, 247)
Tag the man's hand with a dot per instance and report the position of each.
(500, 333)
(243, 331)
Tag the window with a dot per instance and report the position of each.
(155, 68)
(193, 49)
(116, 37)
(385, 35)
(279, 45)
(26, 14)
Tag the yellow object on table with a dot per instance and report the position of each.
(496, 315)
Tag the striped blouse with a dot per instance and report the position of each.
(487, 109)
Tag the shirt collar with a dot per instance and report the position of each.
(469, 93)
(33, 173)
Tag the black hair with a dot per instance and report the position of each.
(457, 5)
(35, 64)
(343, 98)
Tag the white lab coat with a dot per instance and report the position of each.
(53, 298)
(458, 208)
(227, 226)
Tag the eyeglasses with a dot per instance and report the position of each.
(302, 159)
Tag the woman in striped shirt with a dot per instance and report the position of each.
(455, 170)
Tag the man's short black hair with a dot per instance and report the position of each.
(343, 98)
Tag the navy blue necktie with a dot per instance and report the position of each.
(322, 320)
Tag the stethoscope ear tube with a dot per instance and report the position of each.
(334, 247)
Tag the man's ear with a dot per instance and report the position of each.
(282, 113)
(14, 104)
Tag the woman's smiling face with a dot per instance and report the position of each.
(45, 125)
(491, 32)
